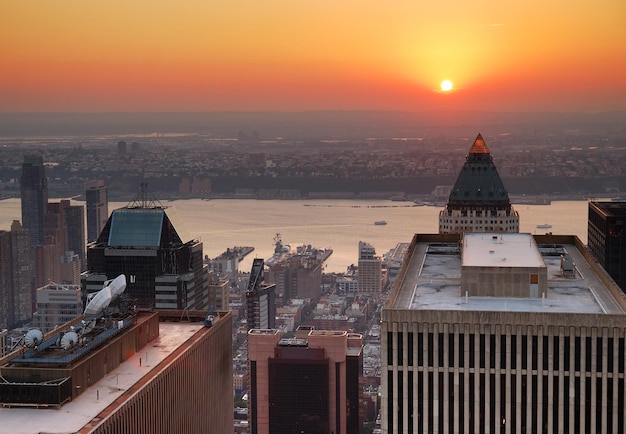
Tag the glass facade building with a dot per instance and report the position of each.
(163, 269)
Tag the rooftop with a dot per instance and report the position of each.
(616, 209)
(431, 280)
(78, 412)
(500, 250)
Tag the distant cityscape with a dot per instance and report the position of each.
(580, 160)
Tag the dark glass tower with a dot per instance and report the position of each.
(606, 238)
(97, 201)
(34, 195)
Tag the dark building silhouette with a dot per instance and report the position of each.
(606, 238)
(478, 201)
(34, 200)
(308, 384)
(34, 197)
(16, 302)
(121, 147)
(97, 202)
(162, 263)
(260, 299)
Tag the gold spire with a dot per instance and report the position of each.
(479, 146)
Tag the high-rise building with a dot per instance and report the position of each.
(16, 303)
(47, 261)
(66, 223)
(75, 227)
(70, 268)
(306, 384)
(147, 243)
(260, 299)
(503, 332)
(57, 305)
(606, 238)
(478, 201)
(97, 202)
(219, 291)
(297, 273)
(146, 374)
(34, 197)
(370, 273)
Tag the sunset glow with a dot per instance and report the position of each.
(282, 55)
(446, 86)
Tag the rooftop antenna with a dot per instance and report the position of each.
(142, 200)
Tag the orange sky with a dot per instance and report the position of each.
(200, 55)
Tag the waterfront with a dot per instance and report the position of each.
(336, 224)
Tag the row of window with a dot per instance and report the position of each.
(436, 402)
(576, 353)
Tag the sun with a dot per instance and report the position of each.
(446, 86)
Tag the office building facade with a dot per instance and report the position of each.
(260, 299)
(307, 384)
(370, 273)
(16, 302)
(56, 305)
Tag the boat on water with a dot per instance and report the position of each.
(380, 223)
(544, 226)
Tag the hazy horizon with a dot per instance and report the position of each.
(299, 124)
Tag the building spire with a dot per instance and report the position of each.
(479, 146)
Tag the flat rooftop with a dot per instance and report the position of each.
(500, 250)
(432, 281)
(75, 414)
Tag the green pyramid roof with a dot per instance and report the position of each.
(478, 183)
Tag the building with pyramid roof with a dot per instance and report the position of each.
(478, 201)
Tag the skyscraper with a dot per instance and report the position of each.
(478, 201)
(64, 232)
(34, 197)
(308, 385)
(606, 238)
(75, 230)
(97, 202)
(370, 273)
(260, 299)
(503, 332)
(16, 302)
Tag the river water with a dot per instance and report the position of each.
(336, 224)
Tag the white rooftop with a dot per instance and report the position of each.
(75, 414)
(500, 250)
